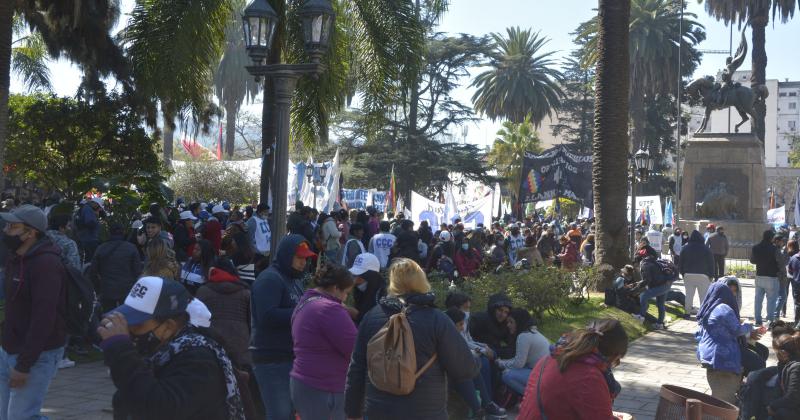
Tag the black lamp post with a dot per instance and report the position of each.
(259, 23)
(641, 164)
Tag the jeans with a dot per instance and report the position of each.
(766, 286)
(719, 266)
(466, 389)
(783, 295)
(660, 293)
(273, 384)
(26, 402)
(486, 372)
(695, 282)
(313, 404)
(517, 379)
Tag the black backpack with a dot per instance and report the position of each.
(81, 302)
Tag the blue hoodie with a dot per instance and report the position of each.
(274, 295)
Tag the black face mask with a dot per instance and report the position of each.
(295, 274)
(12, 242)
(147, 343)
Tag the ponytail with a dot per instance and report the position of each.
(605, 336)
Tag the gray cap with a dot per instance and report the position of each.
(30, 215)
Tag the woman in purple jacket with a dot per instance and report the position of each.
(324, 335)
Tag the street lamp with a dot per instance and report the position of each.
(641, 164)
(259, 24)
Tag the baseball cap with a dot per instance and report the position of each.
(30, 215)
(711, 226)
(218, 209)
(365, 262)
(187, 215)
(154, 297)
(303, 250)
(98, 201)
(444, 236)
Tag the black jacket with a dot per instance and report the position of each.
(764, 256)
(484, 328)
(115, 267)
(406, 245)
(182, 238)
(788, 405)
(696, 258)
(434, 333)
(366, 300)
(190, 386)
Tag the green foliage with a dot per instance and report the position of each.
(794, 151)
(212, 181)
(71, 146)
(522, 80)
(742, 11)
(29, 57)
(508, 151)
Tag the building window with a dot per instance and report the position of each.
(792, 125)
(792, 105)
(792, 93)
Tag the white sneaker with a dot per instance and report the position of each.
(65, 363)
(639, 318)
(658, 326)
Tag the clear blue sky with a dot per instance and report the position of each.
(555, 20)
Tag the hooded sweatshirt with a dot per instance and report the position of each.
(696, 258)
(35, 289)
(228, 300)
(368, 294)
(484, 328)
(276, 292)
(719, 330)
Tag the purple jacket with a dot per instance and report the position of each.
(324, 336)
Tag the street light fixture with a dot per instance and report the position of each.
(641, 165)
(259, 23)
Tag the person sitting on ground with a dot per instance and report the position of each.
(491, 327)
(530, 252)
(568, 257)
(482, 352)
(164, 364)
(497, 252)
(443, 249)
(763, 386)
(467, 260)
(531, 346)
(547, 245)
(787, 406)
(466, 389)
(576, 381)
(194, 272)
(323, 339)
(370, 287)
(719, 349)
(434, 334)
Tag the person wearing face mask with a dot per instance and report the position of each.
(370, 285)
(163, 364)
(275, 294)
(34, 331)
(258, 229)
(324, 336)
(467, 260)
(497, 253)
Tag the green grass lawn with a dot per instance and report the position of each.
(578, 316)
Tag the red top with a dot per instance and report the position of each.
(467, 264)
(579, 393)
(212, 231)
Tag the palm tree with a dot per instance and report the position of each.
(29, 57)
(756, 14)
(508, 152)
(611, 142)
(653, 52)
(522, 80)
(232, 83)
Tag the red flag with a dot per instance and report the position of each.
(219, 144)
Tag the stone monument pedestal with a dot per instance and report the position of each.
(723, 183)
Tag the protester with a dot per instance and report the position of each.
(212, 229)
(793, 269)
(354, 246)
(655, 238)
(718, 244)
(407, 241)
(569, 254)
(782, 257)
(513, 242)
(530, 252)
(59, 226)
(441, 257)
(160, 261)
(718, 349)
(88, 224)
(185, 240)
(258, 229)
(153, 229)
(531, 346)
(381, 244)
(764, 256)
(370, 287)
(710, 229)
(657, 287)
(34, 329)
(787, 406)
(434, 334)
(114, 268)
(675, 246)
(547, 245)
(482, 352)
(576, 381)
(194, 273)
(243, 257)
(697, 268)
(275, 294)
(467, 260)
(330, 238)
(587, 250)
(324, 336)
(228, 300)
(162, 364)
(491, 327)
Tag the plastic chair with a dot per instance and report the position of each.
(678, 403)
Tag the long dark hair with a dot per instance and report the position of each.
(605, 335)
(207, 256)
(244, 249)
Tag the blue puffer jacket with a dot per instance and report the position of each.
(718, 344)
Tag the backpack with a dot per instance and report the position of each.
(668, 271)
(446, 266)
(81, 302)
(392, 357)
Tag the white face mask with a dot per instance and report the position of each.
(362, 287)
(466, 317)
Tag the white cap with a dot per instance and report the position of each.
(187, 215)
(365, 262)
(218, 209)
(98, 201)
(444, 236)
(136, 224)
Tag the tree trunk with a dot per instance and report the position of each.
(611, 142)
(230, 132)
(169, 136)
(6, 16)
(759, 66)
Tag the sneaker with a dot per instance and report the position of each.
(658, 326)
(494, 411)
(65, 363)
(639, 318)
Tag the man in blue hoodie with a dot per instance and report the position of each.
(275, 294)
(696, 265)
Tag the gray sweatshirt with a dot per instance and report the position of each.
(531, 346)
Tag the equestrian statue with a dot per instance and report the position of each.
(726, 93)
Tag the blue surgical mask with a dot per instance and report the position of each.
(465, 246)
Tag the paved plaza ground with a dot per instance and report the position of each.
(661, 357)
